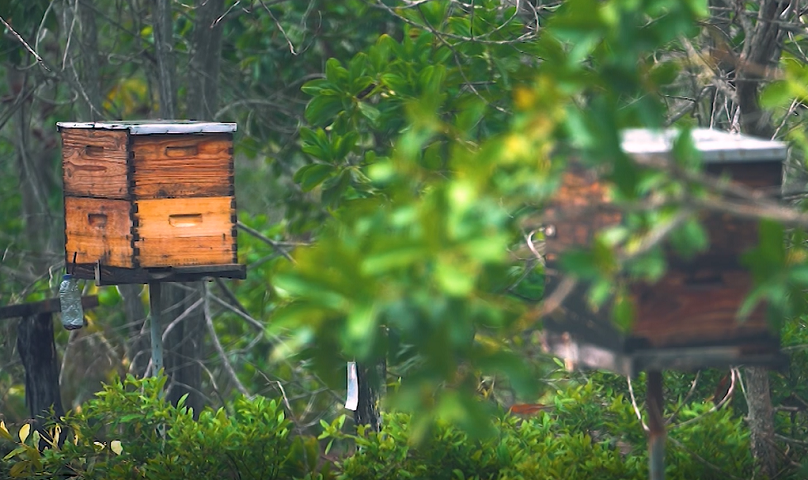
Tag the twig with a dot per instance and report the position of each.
(25, 44)
(280, 27)
(702, 460)
(255, 323)
(180, 318)
(634, 404)
(216, 343)
(687, 397)
(734, 374)
(265, 239)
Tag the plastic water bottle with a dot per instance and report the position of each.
(70, 297)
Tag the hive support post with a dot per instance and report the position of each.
(656, 426)
(38, 355)
(370, 378)
(155, 310)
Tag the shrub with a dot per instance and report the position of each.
(129, 431)
(587, 435)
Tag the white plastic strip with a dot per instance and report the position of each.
(352, 400)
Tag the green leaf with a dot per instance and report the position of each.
(776, 94)
(20, 470)
(690, 238)
(322, 110)
(371, 113)
(312, 175)
(623, 312)
(335, 72)
(319, 87)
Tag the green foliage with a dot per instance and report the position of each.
(129, 431)
(430, 182)
(589, 433)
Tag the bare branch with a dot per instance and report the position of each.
(25, 44)
(216, 343)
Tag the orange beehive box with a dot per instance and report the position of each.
(148, 201)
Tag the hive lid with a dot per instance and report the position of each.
(152, 127)
(715, 146)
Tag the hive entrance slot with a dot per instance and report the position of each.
(181, 151)
(705, 280)
(185, 220)
(94, 151)
(98, 220)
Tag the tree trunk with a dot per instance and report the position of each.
(184, 344)
(164, 50)
(137, 348)
(761, 51)
(34, 149)
(761, 420)
(38, 355)
(89, 78)
(203, 79)
(370, 379)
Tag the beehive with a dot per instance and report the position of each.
(689, 318)
(146, 201)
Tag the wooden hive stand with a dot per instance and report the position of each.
(150, 202)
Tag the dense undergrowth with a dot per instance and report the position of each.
(128, 431)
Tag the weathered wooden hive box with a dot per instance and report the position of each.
(689, 318)
(146, 201)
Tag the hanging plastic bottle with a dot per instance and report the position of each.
(70, 297)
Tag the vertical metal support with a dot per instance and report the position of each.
(656, 426)
(155, 309)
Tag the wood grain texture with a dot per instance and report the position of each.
(171, 166)
(51, 305)
(761, 175)
(99, 230)
(697, 308)
(94, 163)
(185, 231)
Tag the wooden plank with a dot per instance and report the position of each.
(106, 275)
(578, 353)
(51, 305)
(98, 230)
(690, 309)
(94, 163)
(761, 175)
(170, 166)
(185, 231)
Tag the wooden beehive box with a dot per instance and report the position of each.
(688, 319)
(149, 201)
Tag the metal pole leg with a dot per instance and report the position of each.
(156, 308)
(656, 426)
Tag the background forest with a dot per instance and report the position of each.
(393, 159)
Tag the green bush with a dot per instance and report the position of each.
(129, 431)
(592, 432)
(587, 435)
